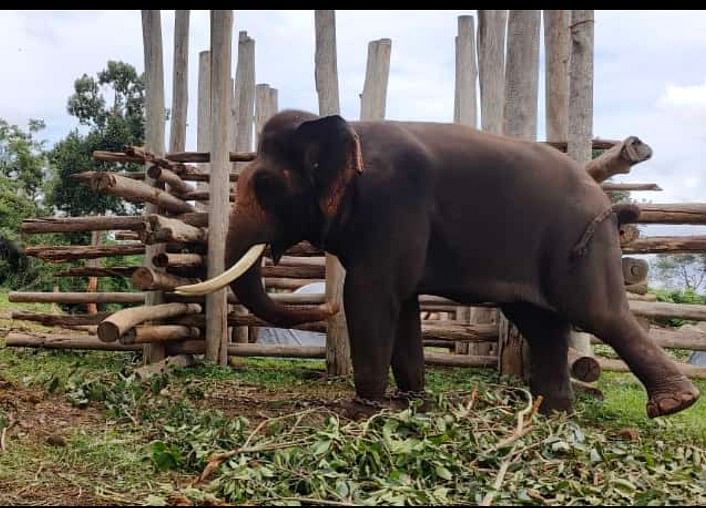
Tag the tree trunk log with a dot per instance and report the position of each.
(114, 327)
(167, 260)
(159, 333)
(621, 187)
(54, 341)
(491, 65)
(658, 244)
(76, 224)
(690, 371)
(672, 213)
(176, 184)
(88, 271)
(619, 159)
(557, 50)
(634, 270)
(583, 367)
(73, 252)
(164, 230)
(61, 319)
(149, 279)
(75, 298)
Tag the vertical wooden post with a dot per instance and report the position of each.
(491, 67)
(465, 109)
(557, 50)
(218, 205)
(203, 122)
(245, 92)
(581, 113)
(274, 101)
(520, 121)
(154, 139)
(92, 287)
(377, 72)
(338, 362)
(263, 110)
(180, 82)
(244, 116)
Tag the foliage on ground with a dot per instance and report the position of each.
(148, 441)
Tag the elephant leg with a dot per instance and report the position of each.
(371, 314)
(408, 353)
(668, 389)
(548, 338)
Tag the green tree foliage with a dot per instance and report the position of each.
(111, 105)
(682, 271)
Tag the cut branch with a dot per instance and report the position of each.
(619, 159)
(112, 328)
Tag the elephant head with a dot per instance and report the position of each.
(292, 191)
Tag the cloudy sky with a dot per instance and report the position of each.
(650, 71)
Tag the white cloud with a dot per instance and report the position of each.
(685, 95)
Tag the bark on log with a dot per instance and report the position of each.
(132, 190)
(244, 105)
(298, 261)
(59, 319)
(672, 213)
(449, 360)
(90, 271)
(159, 333)
(690, 371)
(659, 244)
(54, 341)
(60, 254)
(176, 184)
(491, 65)
(206, 156)
(634, 270)
(112, 328)
(596, 144)
(189, 261)
(76, 224)
(372, 99)
(165, 230)
(180, 82)
(557, 50)
(685, 337)
(621, 187)
(300, 272)
(131, 236)
(75, 298)
(619, 159)
(465, 108)
(668, 310)
(583, 367)
(149, 279)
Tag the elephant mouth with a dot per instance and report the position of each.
(220, 281)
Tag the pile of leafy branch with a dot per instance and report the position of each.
(484, 446)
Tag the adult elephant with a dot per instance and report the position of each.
(441, 209)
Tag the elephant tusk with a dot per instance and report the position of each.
(222, 280)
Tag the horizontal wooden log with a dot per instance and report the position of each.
(148, 279)
(287, 283)
(610, 364)
(206, 156)
(453, 360)
(634, 270)
(672, 213)
(201, 195)
(55, 341)
(159, 333)
(60, 254)
(112, 328)
(295, 272)
(445, 344)
(165, 259)
(597, 144)
(94, 271)
(639, 288)
(460, 333)
(618, 159)
(77, 224)
(75, 298)
(582, 367)
(132, 190)
(165, 230)
(625, 187)
(661, 244)
(198, 175)
(685, 337)
(668, 310)
(121, 157)
(167, 176)
(60, 319)
(298, 261)
(149, 157)
(285, 298)
(132, 236)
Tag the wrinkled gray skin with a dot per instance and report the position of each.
(447, 210)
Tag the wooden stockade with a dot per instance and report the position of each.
(181, 234)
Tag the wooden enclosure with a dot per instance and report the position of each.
(187, 197)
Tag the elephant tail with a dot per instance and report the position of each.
(626, 213)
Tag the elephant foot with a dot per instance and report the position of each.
(671, 396)
(404, 398)
(359, 408)
(556, 405)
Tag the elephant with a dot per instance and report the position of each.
(442, 209)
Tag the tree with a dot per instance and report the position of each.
(683, 271)
(112, 106)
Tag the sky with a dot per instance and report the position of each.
(650, 73)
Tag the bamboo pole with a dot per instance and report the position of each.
(114, 327)
(465, 109)
(218, 209)
(372, 100)
(491, 67)
(338, 362)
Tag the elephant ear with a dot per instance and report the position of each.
(331, 154)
